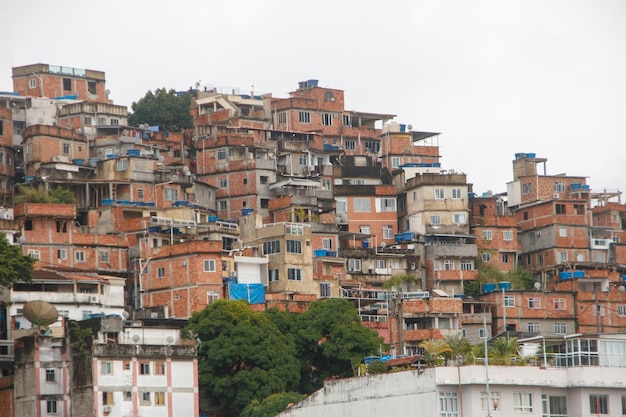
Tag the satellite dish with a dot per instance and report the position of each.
(125, 314)
(40, 313)
(410, 127)
(21, 240)
(136, 338)
(383, 245)
(170, 339)
(537, 286)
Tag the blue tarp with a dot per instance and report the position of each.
(254, 293)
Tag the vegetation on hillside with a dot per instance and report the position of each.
(14, 266)
(43, 194)
(167, 109)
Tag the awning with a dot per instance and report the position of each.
(293, 182)
(440, 293)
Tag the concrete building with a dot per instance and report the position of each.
(571, 386)
(120, 369)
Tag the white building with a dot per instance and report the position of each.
(568, 391)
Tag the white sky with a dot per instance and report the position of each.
(495, 77)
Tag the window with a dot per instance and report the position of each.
(161, 272)
(533, 327)
(327, 119)
(560, 328)
(140, 193)
(467, 265)
(212, 296)
(282, 118)
(559, 187)
(456, 194)
(327, 243)
(342, 206)
(122, 164)
(273, 275)
(487, 235)
(102, 121)
(362, 205)
(525, 214)
(91, 87)
(115, 122)
(486, 257)
(540, 259)
(128, 395)
(61, 253)
(159, 398)
(51, 375)
(492, 400)
(35, 254)
(598, 404)
(624, 404)
(273, 246)
(106, 368)
(294, 246)
(559, 303)
(448, 265)
(66, 148)
(144, 368)
(170, 194)
(104, 257)
(354, 264)
(509, 301)
(329, 96)
(324, 289)
(294, 229)
(372, 146)
(534, 303)
(303, 160)
(223, 205)
(505, 258)
(209, 265)
(559, 208)
(523, 402)
(448, 404)
(554, 406)
(145, 398)
(265, 203)
(346, 120)
(107, 398)
(435, 220)
(388, 232)
(350, 145)
(294, 274)
(222, 154)
(563, 256)
(621, 310)
(439, 194)
(67, 84)
(32, 83)
(304, 117)
(580, 257)
(458, 219)
(387, 204)
(87, 121)
(527, 188)
(51, 407)
(507, 235)
(395, 162)
(481, 333)
(579, 209)
(159, 368)
(380, 264)
(598, 310)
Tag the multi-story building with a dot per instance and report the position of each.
(122, 369)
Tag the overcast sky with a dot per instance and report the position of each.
(494, 77)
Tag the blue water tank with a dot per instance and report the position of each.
(489, 287)
(579, 274)
(79, 161)
(319, 252)
(133, 152)
(504, 285)
(565, 275)
(366, 244)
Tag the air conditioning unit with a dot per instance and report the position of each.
(538, 234)
(93, 299)
(107, 408)
(233, 273)
(412, 267)
(555, 195)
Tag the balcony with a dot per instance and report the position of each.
(56, 297)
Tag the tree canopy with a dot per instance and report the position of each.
(242, 356)
(163, 108)
(331, 342)
(14, 266)
(43, 194)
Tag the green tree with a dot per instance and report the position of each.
(376, 367)
(163, 108)
(43, 194)
(242, 355)
(434, 351)
(272, 405)
(460, 348)
(331, 342)
(14, 266)
(504, 350)
(401, 281)
(521, 279)
(489, 273)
